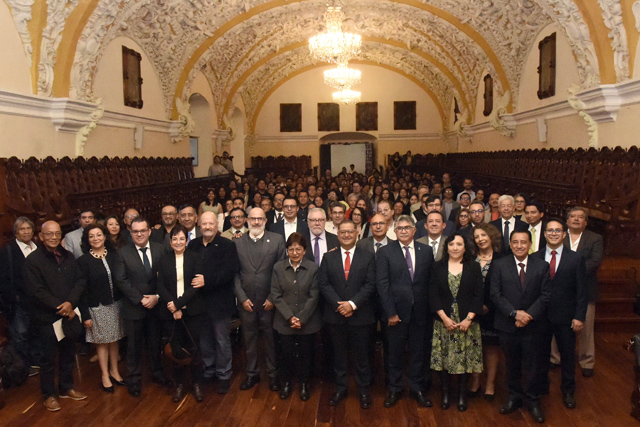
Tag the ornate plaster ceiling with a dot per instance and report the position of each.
(245, 48)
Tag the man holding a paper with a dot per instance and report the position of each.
(53, 282)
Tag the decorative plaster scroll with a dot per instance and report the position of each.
(636, 13)
(57, 13)
(21, 11)
(579, 106)
(496, 117)
(250, 142)
(83, 133)
(187, 123)
(460, 125)
(612, 17)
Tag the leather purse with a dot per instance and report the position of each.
(175, 351)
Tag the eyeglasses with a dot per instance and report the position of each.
(50, 234)
(554, 231)
(464, 216)
(237, 217)
(139, 232)
(169, 214)
(343, 232)
(256, 219)
(404, 228)
(295, 250)
(377, 224)
(315, 221)
(477, 211)
(131, 216)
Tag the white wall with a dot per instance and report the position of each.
(15, 75)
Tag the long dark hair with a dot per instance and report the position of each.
(468, 251)
(119, 241)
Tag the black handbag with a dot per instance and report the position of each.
(72, 328)
(174, 349)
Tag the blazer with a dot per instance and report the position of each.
(487, 319)
(359, 288)
(470, 294)
(11, 277)
(542, 240)
(253, 280)
(131, 278)
(97, 290)
(508, 295)
(454, 213)
(518, 225)
(568, 298)
(220, 264)
(332, 242)
(296, 294)
(399, 294)
(72, 242)
(168, 284)
(301, 227)
(425, 241)
(228, 235)
(591, 248)
(368, 242)
(271, 218)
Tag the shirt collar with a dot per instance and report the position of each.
(524, 261)
(140, 247)
(558, 250)
(23, 245)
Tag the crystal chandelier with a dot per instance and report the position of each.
(346, 97)
(342, 76)
(333, 45)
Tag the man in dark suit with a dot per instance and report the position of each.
(534, 213)
(159, 233)
(258, 252)
(402, 278)
(347, 283)
(135, 273)
(590, 246)
(238, 203)
(507, 223)
(221, 264)
(567, 304)
(188, 217)
(435, 238)
(275, 214)
(520, 290)
(292, 223)
(319, 240)
(433, 203)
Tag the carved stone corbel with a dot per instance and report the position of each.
(460, 125)
(83, 134)
(221, 137)
(185, 124)
(498, 117)
(579, 106)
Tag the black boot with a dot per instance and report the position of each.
(462, 392)
(444, 383)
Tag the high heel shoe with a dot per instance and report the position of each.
(107, 389)
(116, 382)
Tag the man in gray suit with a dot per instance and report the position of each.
(72, 239)
(435, 226)
(258, 251)
(135, 273)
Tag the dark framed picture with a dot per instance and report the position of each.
(404, 115)
(328, 117)
(547, 68)
(131, 78)
(366, 116)
(290, 117)
(488, 95)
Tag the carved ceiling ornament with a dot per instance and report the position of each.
(612, 17)
(21, 12)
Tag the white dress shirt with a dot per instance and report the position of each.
(290, 227)
(148, 252)
(26, 249)
(547, 255)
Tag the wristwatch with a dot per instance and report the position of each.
(513, 314)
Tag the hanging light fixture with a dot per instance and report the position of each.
(342, 76)
(346, 97)
(334, 46)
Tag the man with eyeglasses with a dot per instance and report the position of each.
(237, 217)
(292, 223)
(53, 284)
(276, 213)
(347, 284)
(433, 204)
(258, 252)
(567, 307)
(319, 240)
(71, 241)
(238, 202)
(507, 223)
(135, 273)
(337, 212)
(478, 213)
(169, 215)
(402, 279)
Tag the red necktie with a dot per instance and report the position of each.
(347, 265)
(521, 264)
(552, 264)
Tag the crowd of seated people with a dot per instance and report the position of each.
(446, 275)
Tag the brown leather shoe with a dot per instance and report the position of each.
(75, 395)
(51, 403)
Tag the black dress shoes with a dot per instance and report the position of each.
(134, 390)
(365, 399)
(392, 398)
(337, 397)
(197, 392)
(178, 395)
(536, 413)
(421, 398)
(116, 382)
(274, 384)
(305, 392)
(286, 390)
(249, 382)
(223, 386)
(510, 406)
(569, 400)
(107, 389)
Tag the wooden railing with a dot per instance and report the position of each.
(281, 165)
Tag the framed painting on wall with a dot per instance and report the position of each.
(328, 117)
(290, 117)
(131, 78)
(547, 67)
(366, 116)
(404, 115)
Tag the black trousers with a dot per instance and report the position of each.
(566, 340)
(304, 353)
(522, 352)
(194, 324)
(398, 336)
(65, 351)
(354, 338)
(149, 330)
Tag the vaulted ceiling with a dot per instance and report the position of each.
(247, 48)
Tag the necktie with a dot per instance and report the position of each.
(347, 265)
(190, 237)
(146, 262)
(552, 264)
(506, 234)
(279, 216)
(316, 251)
(533, 240)
(521, 274)
(407, 255)
(378, 246)
(434, 245)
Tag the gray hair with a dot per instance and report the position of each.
(406, 218)
(578, 208)
(312, 210)
(21, 220)
(506, 197)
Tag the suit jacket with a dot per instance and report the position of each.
(332, 242)
(470, 294)
(591, 248)
(72, 241)
(518, 225)
(568, 298)
(301, 227)
(399, 294)
(271, 218)
(508, 295)
(253, 280)
(425, 241)
(220, 265)
(131, 278)
(368, 243)
(359, 288)
(296, 294)
(11, 263)
(454, 213)
(227, 234)
(168, 284)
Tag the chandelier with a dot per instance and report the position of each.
(333, 45)
(342, 76)
(346, 97)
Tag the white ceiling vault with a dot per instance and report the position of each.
(246, 48)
